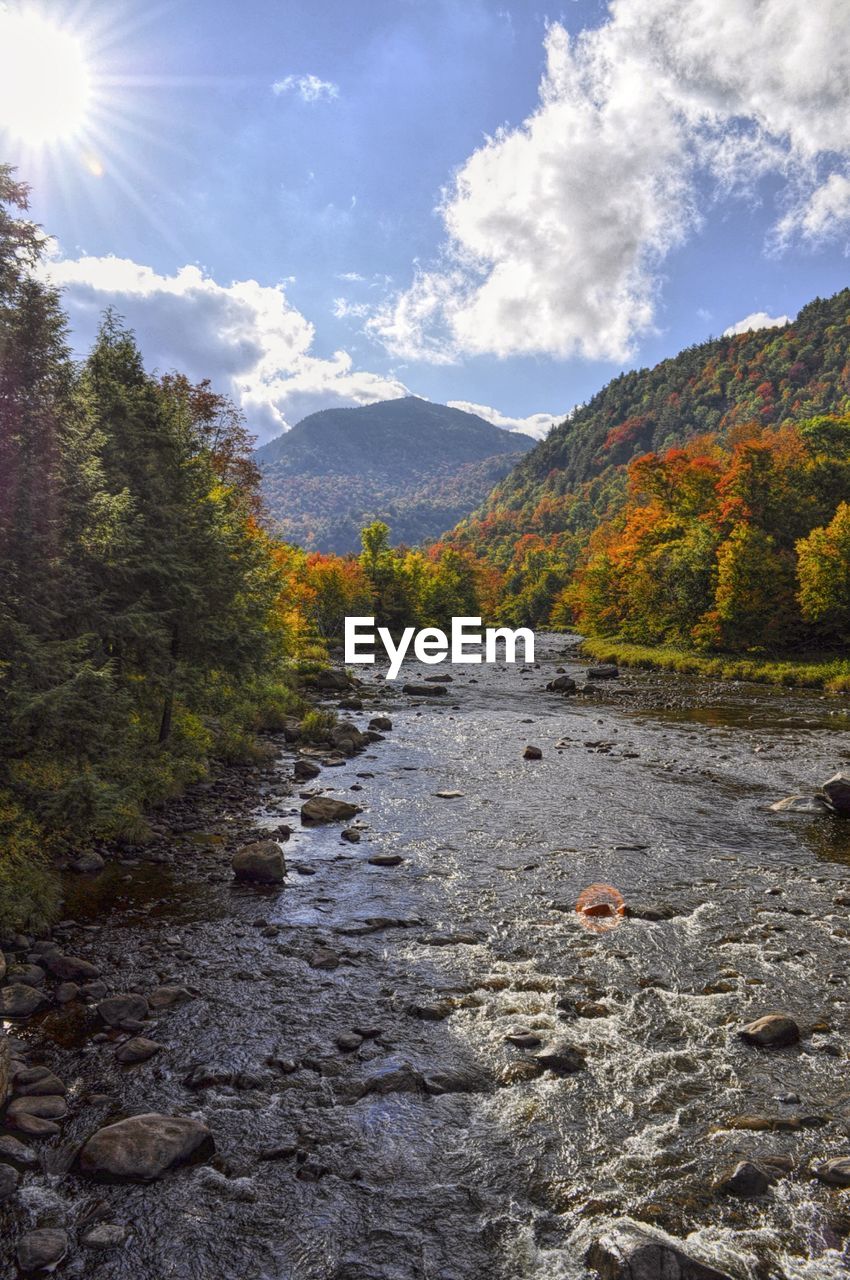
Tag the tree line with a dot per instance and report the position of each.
(148, 621)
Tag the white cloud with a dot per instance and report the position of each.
(823, 216)
(536, 425)
(246, 337)
(758, 320)
(557, 229)
(309, 88)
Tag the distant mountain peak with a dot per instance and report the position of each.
(418, 465)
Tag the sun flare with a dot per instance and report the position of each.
(45, 86)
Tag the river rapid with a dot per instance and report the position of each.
(430, 1146)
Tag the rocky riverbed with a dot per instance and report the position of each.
(410, 1056)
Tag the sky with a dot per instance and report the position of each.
(331, 202)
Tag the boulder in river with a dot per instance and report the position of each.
(41, 1250)
(142, 1148)
(168, 997)
(562, 684)
(305, 770)
(382, 724)
(45, 1107)
(20, 1001)
(745, 1179)
(802, 804)
(423, 690)
(837, 791)
(139, 1049)
(773, 1031)
(835, 1172)
(118, 1010)
(260, 863)
(106, 1235)
(562, 1058)
(13, 1151)
(325, 809)
(70, 968)
(633, 1251)
(532, 753)
(38, 1080)
(607, 671)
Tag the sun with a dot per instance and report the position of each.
(45, 85)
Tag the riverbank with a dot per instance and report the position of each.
(830, 674)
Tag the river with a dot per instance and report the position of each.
(435, 1148)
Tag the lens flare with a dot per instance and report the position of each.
(45, 86)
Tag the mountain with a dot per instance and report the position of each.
(418, 466)
(576, 477)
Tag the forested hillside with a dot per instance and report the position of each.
(722, 401)
(416, 465)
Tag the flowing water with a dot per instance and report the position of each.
(434, 1150)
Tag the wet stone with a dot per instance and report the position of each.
(13, 1151)
(9, 1179)
(106, 1235)
(773, 1031)
(20, 1001)
(41, 1250)
(123, 1010)
(835, 1172)
(138, 1049)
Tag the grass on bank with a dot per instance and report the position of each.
(828, 673)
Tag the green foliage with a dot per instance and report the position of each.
(823, 560)
(317, 725)
(141, 626)
(829, 673)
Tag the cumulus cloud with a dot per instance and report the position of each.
(758, 320)
(246, 337)
(536, 425)
(824, 215)
(309, 88)
(557, 230)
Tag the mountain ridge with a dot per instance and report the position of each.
(417, 465)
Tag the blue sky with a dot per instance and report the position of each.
(477, 201)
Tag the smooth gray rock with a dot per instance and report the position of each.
(139, 1049)
(562, 684)
(106, 1235)
(319, 809)
(41, 1250)
(19, 1001)
(142, 1148)
(118, 1010)
(260, 863)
